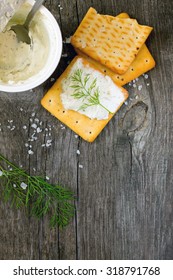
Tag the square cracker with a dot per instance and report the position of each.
(85, 127)
(141, 64)
(112, 41)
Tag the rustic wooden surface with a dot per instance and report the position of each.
(124, 207)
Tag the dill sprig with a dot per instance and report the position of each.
(38, 196)
(89, 94)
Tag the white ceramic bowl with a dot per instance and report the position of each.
(55, 51)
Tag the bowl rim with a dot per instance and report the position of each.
(30, 83)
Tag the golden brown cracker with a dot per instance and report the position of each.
(112, 41)
(85, 127)
(141, 64)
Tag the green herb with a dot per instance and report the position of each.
(39, 197)
(89, 94)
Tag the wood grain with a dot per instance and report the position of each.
(124, 204)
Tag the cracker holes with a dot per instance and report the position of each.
(146, 60)
(118, 77)
(77, 122)
(132, 69)
(50, 100)
(63, 111)
(105, 71)
(90, 132)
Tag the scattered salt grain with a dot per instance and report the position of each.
(36, 120)
(146, 76)
(80, 166)
(64, 55)
(126, 103)
(76, 136)
(23, 186)
(139, 87)
(14, 185)
(39, 130)
(1, 173)
(78, 152)
(30, 152)
(148, 84)
(47, 178)
(34, 125)
(52, 79)
(62, 127)
(24, 127)
(134, 85)
(33, 114)
(68, 40)
(13, 127)
(48, 143)
(21, 109)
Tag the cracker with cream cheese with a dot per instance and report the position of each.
(86, 127)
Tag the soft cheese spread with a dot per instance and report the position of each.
(7, 10)
(20, 61)
(89, 92)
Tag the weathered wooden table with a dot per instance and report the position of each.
(124, 206)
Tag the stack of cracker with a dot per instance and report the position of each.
(114, 46)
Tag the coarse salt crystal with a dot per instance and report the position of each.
(146, 76)
(23, 186)
(34, 125)
(39, 130)
(33, 114)
(47, 178)
(78, 152)
(1, 173)
(24, 127)
(139, 87)
(30, 152)
(80, 166)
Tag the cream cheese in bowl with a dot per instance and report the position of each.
(23, 66)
